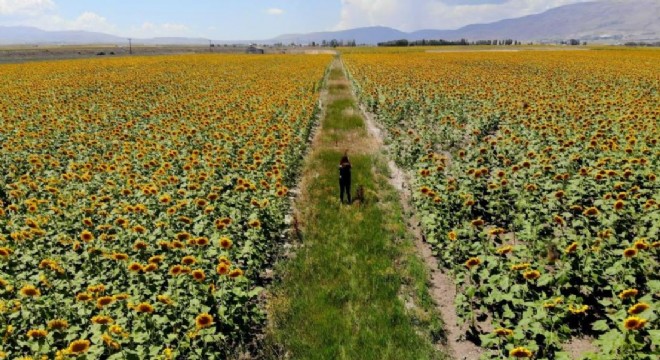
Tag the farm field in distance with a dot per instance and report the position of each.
(141, 198)
(536, 182)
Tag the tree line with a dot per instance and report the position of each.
(441, 42)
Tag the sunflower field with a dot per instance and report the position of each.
(536, 183)
(141, 199)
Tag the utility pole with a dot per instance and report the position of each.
(130, 46)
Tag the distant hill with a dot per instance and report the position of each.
(598, 21)
(31, 35)
(623, 20)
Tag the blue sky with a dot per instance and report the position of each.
(258, 19)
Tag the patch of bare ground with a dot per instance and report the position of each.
(579, 347)
(443, 289)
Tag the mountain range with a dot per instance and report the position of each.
(597, 21)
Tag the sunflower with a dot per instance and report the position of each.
(83, 297)
(520, 352)
(117, 330)
(571, 248)
(503, 332)
(102, 320)
(110, 342)
(164, 299)
(225, 242)
(119, 256)
(165, 199)
(37, 333)
(477, 222)
(203, 321)
(120, 297)
(198, 275)
(30, 291)
(254, 223)
(144, 308)
(188, 260)
(86, 236)
(5, 252)
(78, 347)
(58, 324)
(630, 252)
(592, 211)
(140, 245)
(135, 267)
(183, 236)
(472, 262)
(634, 323)
(452, 235)
(638, 308)
(176, 270)
(156, 259)
(104, 300)
(176, 244)
(641, 244)
(619, 204)
(521, 266)
(578, 310)
(531, 274)
(150, 268)
(505, 250)
(202, 241)
(235, 273)
(222, 269)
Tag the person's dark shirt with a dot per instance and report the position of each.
(345, 171)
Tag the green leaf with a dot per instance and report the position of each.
(600, 325)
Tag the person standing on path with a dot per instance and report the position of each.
(345, 177)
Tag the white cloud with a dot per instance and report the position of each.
(25, 7)
(409, 15)
(91, 22)
(275, 11)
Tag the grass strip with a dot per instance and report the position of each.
(355, 288)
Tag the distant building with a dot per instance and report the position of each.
(254, 50)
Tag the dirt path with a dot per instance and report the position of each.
(354, 287)
(442, 289)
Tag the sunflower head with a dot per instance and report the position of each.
(634, 323)
(630, 252)
(104, 300)
(531, 274)
(520, 352)
(225, 242)
(30, 291)
(472, 262)
(638, 308)
(198, 275)
(203, 321)
(503, 332)
(37, 333)
(78, 347)
(58, 324)
(144, 308)
(102, 320)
